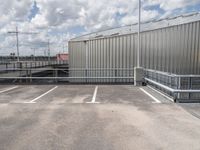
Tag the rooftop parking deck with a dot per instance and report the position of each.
(92, 117)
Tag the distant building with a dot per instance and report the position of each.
(62, 57)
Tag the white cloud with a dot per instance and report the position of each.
(171, 4)
(174, 4)
(39, 21)
(56, 18)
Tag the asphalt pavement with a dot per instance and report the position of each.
(94, 117)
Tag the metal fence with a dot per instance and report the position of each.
(183, 88)
(11, 59)
(34, 75)
(30, 64)
(33, 71)
(102, 75)
(65, 75)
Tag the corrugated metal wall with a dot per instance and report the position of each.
(77, 60)
(173, 49)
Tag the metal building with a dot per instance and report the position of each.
(170, 45)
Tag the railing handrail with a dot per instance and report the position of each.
(128, 77)
(74, 69)
(171, 74)
(171, 89)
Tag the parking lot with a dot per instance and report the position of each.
(94, 117)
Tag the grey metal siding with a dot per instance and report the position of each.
(174, 49)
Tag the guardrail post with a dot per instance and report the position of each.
(190, 86)
(56, 75)
(6, 68)
(86, 75)
(115, 75)
(26, 75)
(30, 76)
(138, 76)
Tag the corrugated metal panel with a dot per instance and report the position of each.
(173, 49)
(146, 26)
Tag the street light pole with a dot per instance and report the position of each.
(139, 20)
(138, 70)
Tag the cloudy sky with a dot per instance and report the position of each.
(60, 20)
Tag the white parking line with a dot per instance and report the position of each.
(33, 101)
(171, 99)
(6, 90)
(94, 97)
(155, 99)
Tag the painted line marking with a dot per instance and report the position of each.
(147, 93)
(9, 89)
(33, 101)
(161, 93)
(94, 97)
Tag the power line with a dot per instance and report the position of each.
(16, 32)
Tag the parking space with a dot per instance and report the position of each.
(125, 94)
(93, 117)
(69, 94)
(21, 94)
(5, 88)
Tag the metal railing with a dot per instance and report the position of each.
(49, 74)
(11, 59)
(183, 88)
(29, 64)
(102, 75)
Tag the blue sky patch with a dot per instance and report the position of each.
(155, 7)
(34, 11)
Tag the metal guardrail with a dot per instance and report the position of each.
(30, 64)
(183, 88)
(102, 75)
(95, 75)
(11, 59)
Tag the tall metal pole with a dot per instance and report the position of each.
(16, 32)
(17, 43)
(139, 20)
(63, 48)
(48, 51)
(34, 53)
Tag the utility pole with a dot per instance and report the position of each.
(63, 48)
(17, 37)
(33, 53)
(48, 51)
(45, 52)
(16, 32)
(63, 43)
